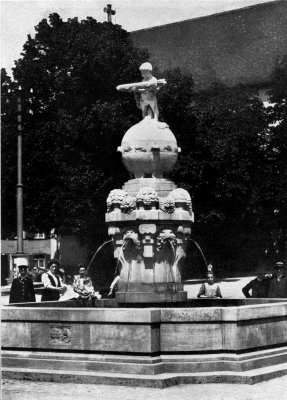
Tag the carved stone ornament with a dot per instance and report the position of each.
(147, 228)
(167, 205)
(164, 237)
(181, 196)
(147, 196)
(60, 334)
(131, 235)
(128, 204)
(113, 230)
(151, 147)
(116, 196)
(186, 230)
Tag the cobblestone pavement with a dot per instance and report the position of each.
(275, 389)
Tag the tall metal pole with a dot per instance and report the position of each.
(19, 175)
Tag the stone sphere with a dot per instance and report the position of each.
(149, 149)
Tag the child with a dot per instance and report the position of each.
(146, 97)
(83, 285)
(210, 289)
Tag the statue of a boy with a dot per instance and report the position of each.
(145, 91)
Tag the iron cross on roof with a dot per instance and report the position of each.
(109, 12)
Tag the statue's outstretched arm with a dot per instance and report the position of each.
(140, 85)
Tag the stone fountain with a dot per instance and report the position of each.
(151, 335)
(150, 218)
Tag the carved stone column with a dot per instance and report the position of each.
(149, 219)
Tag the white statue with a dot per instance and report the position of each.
(145, 91)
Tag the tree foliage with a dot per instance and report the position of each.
(69, 160)
(9, 155)
(277, 156)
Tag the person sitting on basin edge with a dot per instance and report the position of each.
(258, 286)
(22, 289)
(53, 284)
(210, 289)
(83, 286)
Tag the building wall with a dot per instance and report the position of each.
(34, 248)
(239, 46)
(68, 249)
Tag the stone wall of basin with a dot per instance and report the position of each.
(155, 347)
(147, 331)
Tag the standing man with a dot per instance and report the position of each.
(22, 289)
(258, 287)
(53, 284)
(278, 283)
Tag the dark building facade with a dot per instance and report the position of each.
(238, 46)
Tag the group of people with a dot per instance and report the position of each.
(268, 285)
(265, 285)
(82, 290)
(54, 288)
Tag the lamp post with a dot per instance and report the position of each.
(20, 257)
(20, 248)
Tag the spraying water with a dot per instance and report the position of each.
(121, 258)
(173, 258)
(201, 252)
(96, 252)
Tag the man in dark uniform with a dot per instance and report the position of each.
(258, 287)
(22, 289)
(278, 283)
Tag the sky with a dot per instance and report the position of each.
(19, 17)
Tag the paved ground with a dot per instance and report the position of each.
(275, 389)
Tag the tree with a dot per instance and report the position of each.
(277, 155)
(77, 123)
(223, 166)
(9, 154)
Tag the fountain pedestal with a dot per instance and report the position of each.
(149, 219)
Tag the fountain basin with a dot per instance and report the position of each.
(149, 346)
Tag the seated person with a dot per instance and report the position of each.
(53, 284)
(83, 285)
(209, 289)
(22, 289)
